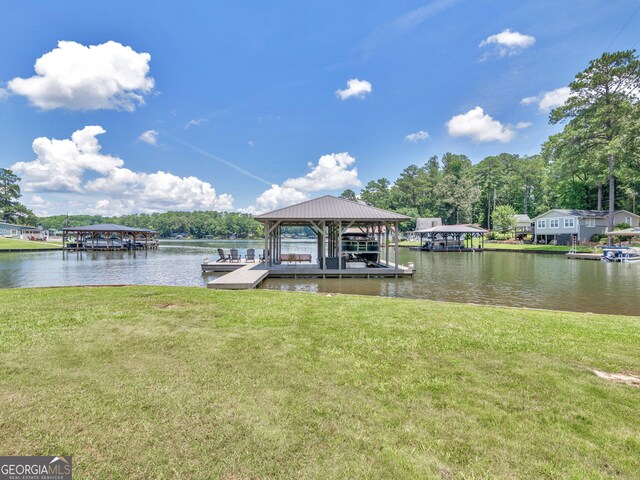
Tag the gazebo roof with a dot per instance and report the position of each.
(452, 229)
(332, 208)
(107, 227)
(633, 231)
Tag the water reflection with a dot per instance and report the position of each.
(499, 278)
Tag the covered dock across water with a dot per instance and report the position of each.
(108, 236)
(451, 238)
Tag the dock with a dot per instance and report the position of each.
(584, 256)
(214, 266)
(246, 277)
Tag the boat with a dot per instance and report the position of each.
(620, 254)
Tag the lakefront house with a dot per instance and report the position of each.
(560, 225)
(23, 232)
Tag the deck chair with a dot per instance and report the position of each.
(234, 257)
(223, 257)
(251, 255)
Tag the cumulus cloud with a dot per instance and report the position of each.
(355, 88)
(150, 137)
(508, 42)
(4, 93)
(417, 136)
(332, 172)
(548, 100)
(62, 165)
(77, 77)
(480, 127)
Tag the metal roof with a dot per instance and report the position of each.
(452, 229)
(633, 231)
(107, 227)
(21, 227)
(332, 208)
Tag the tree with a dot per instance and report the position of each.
(349, 195)
(377, 193)
(599, 107)
(12, 211)
(504, 218)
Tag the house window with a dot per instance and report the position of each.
(542, 224)
(627, 220)
(591, 222)
(554, 223)
(569, 223)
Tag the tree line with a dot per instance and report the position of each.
(595, 156)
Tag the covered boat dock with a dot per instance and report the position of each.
(108, 236)
(353, 240)
(451, 238)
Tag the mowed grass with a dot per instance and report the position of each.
(170, 382)
(17, 244)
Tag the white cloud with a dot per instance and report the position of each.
(150, 137)
(480, 127)
(417, 136)
(195, 122)
(61, 166)
(4, 93)
(521, 125)
(73, 76)
(549, 100)
(333, 172)
(355, 88)
(508, 42)
(251, 143)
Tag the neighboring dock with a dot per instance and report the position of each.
(246, 277)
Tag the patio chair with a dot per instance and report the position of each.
(223, 257)
(235, 256)
(251, 255)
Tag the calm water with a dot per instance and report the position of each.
(498, 278)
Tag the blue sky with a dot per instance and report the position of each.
(241, 102)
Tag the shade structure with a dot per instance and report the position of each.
(451, 237)
(627, 232)
(108, 236)
(330, 218)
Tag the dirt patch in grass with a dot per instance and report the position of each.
(168, 306)
(628, 378)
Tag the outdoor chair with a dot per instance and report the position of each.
(223, 257)
(235, 256)
(251, 255)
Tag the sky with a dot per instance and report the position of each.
(128, 107)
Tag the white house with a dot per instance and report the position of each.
(423, 224)
(561, 225)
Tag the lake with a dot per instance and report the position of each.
(493, 278)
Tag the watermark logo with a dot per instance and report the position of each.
(35, 468)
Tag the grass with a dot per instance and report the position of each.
(170, 382)
(17, 244)
(521, 246)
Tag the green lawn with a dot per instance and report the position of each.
(168, 382)
(16, 244)
(524, 246)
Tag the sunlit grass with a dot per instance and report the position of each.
(17, 244)
(165, 382)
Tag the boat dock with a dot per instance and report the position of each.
(584, 256)
(246, 277)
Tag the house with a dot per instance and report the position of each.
(23, 232)
(560, 225)
(423, 224)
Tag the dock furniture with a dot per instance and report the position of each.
(234, 256)
(222, 257)
(295, 257)
(250, 256)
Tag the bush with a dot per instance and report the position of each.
(622, 226)
(596, 237)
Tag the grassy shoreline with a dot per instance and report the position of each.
(146, 382)
(14, 244)
(497, 246)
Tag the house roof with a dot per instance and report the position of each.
(332, 208)
(22, 227)
(523, 218)
(627, 232)
(584, 213)
(107, 227)
(427, 222)
(465, 228)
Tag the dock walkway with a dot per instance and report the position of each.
(244, 278)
